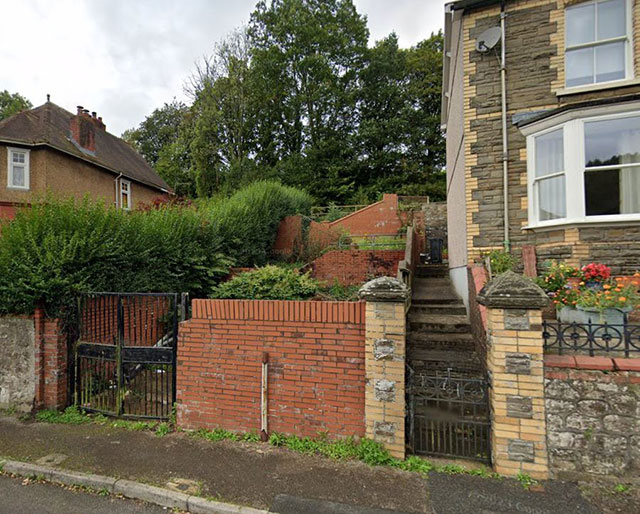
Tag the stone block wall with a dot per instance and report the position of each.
(593, 416)
(17, 363)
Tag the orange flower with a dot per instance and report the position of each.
(581, 283)
(617, 289)
(623, 299)
(606, 286)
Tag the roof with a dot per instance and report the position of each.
(49, 125)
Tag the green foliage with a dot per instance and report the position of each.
(338, 292)
(11, 104)
(300, 96)
(163, 429)
(268, 283)
(621, 488)
(218, 434)
(501, 261)
(526, 481)
(55, 249)
(71, 416)
(556, 276)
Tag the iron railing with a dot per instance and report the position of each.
(449, 416)
(591, 338)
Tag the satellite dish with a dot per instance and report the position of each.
(488, 39)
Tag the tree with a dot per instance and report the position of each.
(158, 130)
(11, 104)
(306, 60)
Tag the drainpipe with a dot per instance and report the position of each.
(505, 147)
(116, 186)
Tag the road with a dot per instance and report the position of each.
(42, 498)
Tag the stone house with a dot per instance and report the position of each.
(569, 111)
(50, 150)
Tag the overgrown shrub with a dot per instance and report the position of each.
(57, 248)
(268, 283)
(247, 223)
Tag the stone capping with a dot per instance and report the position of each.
(592, 363)
(512, 291)
(384, 289)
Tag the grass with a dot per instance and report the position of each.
(365, 450)
(381, 242)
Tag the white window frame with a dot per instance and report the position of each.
(27, 168)
(126, 193)
(627, 39)
(575, 166)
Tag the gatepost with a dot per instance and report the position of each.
(516, 368)
(385, 351)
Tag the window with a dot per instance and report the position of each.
(597, 42)
(585, 170)
(18, 168)
(125, 194)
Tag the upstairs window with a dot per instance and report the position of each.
(597, 42)
(18, 168)
(125, 194)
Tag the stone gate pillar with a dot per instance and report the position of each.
(516, 368)
(385, 352)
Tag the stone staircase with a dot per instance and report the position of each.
(439, 338)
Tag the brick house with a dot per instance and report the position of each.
(48, 149)
(570, 159)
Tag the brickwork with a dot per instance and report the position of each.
(50, 363)
(378, 218)
(593, 415)
(316, 366)
(385, 357)
(535, 81)
(354, 267)
(515, 365)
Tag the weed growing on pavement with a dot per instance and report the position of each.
(70, 416)
(526, 481)
(621, 488)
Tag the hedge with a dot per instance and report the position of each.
(57, 248)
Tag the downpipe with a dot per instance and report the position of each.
(505, 142)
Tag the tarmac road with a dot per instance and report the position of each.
(42, 498)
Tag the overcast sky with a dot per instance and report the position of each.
(124, 58)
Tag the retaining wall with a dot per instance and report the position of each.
(17, 363)
(353, 267)
(316, 354)
(593, 416)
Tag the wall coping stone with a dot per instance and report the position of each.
(592, 363)
(384, 289)
(512, 291)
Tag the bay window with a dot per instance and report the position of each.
(584, 170)
(597, 42)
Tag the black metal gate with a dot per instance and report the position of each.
(125, 354)
(448, 415)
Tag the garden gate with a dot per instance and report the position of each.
(125, 353)
(448, 414)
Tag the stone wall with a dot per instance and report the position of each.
(535, 76)
(593, 416)
(17, 363)
(435, 221)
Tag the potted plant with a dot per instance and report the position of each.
(607, 305)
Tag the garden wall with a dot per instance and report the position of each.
(316, 354)
(353, 267)
(33, 363)
(17, 363)
(593, 415)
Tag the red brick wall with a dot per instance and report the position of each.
(7, 211)
(50, 363)
(316, 366)
(380, 218)
(289, 238)
(353, 267)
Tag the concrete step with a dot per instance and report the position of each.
(456, 358)
(431, 299)
(439, 308)
(446, 294)
(438, 319)
(441, 346)
(454, 337)
(432, 270)
(422, 283)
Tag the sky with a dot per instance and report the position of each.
(124, 58)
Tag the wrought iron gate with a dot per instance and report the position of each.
(125, 354)
(448, 415)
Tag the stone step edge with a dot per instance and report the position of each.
(128, 488)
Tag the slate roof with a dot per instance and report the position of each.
(49, 125)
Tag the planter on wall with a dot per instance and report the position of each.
(582, 315)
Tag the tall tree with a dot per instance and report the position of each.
(306, 60)
(12, 103)
(159, 129)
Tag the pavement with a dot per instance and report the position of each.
(31, 497)
(263, 477)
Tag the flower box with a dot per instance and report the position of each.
(583, 315)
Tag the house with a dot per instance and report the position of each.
(560, 80)
(48, 149)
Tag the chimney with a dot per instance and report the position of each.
(83, 131)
